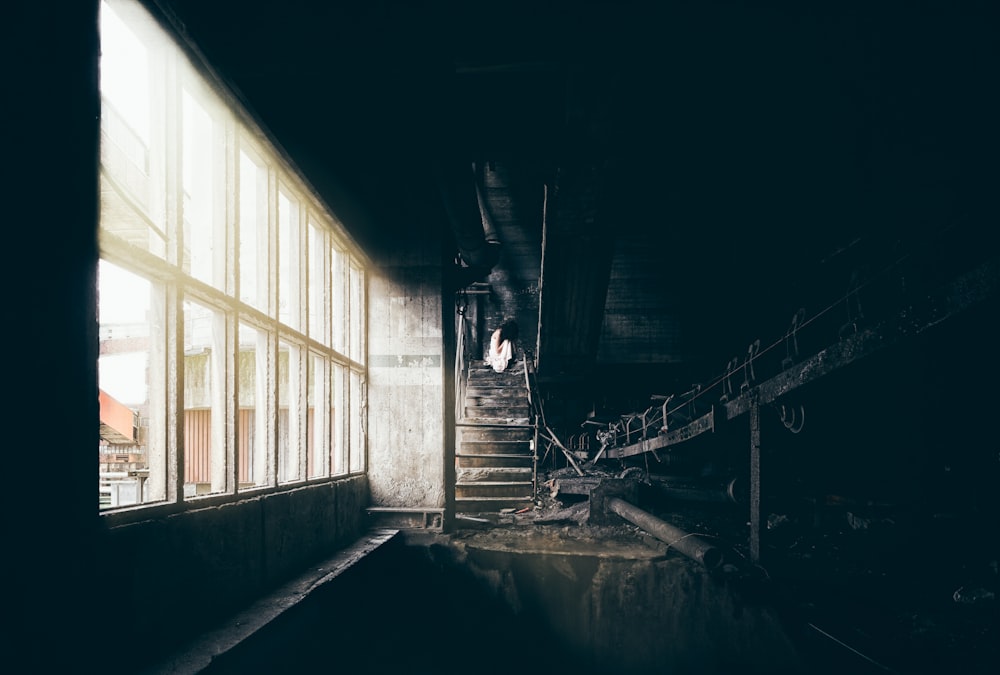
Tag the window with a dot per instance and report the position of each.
(132, 376)
(290, 246)
(254, 243)
(202, 170)
(231, 304)
(316, 273)
(356, 313)
(338, 298)
(338, 419)
(317, 438)
(204, 401)
(255, 467)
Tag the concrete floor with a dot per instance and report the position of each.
(548, 591)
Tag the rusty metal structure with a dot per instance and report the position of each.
(760, 381)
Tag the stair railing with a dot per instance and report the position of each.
(462, 360)
(542, 429)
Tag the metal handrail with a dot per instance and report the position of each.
(461, 369)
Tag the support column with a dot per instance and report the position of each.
(755, 478)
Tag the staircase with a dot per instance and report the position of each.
(495, 457)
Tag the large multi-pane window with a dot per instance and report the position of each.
(231, 303)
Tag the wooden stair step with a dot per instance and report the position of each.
(508, 475)
(496, 401)
(512, 412)
(498, 420)
(495, 455)
(494, 450)
(466, 461)
(483, 488)
(491, 504)
(499, 437)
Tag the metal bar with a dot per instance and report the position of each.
(696, 493)
(569, 457)
(699, 426)
(961, 294)
(755, 480)
(689, 544)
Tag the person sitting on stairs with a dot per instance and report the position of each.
(501, 349)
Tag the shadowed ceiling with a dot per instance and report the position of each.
(700, 169)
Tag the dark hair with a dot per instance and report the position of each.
(508, 331)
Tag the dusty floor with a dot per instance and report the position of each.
(867, 589)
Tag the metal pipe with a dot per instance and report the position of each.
(686, 490)
(689, 544)
(457, 183)
(695, 494)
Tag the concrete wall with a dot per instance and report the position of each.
(50, 510)
(407, 378)
(166, 579)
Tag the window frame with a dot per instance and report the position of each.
(236, 131)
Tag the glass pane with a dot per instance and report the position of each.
(203, 228)
(289, 258)
(357, 314)
(128, 192)
(338, 297)
(253, 233)
(289, 426)
(124, 74)
(317, 438)
(338, 421)
(317, 308)
(204, 401)
(251, 434)
(131, 375)
(357, 423)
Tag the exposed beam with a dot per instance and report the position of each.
(949, 300)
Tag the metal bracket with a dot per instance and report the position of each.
(748, 374)
(664, 411)
(727, 382)
(791, 338)
(793, 417)
(853, 304)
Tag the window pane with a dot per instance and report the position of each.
(338, 425)
(357, 314)
(338, 298)
(204, 236)
(317, 308)
(132, 448)
(357, 423)
(252, 436)
(289, 259)
(289, 426)
(125, 74)
(253, 233)
(204, 402)
(128, 192)
(317, 438)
